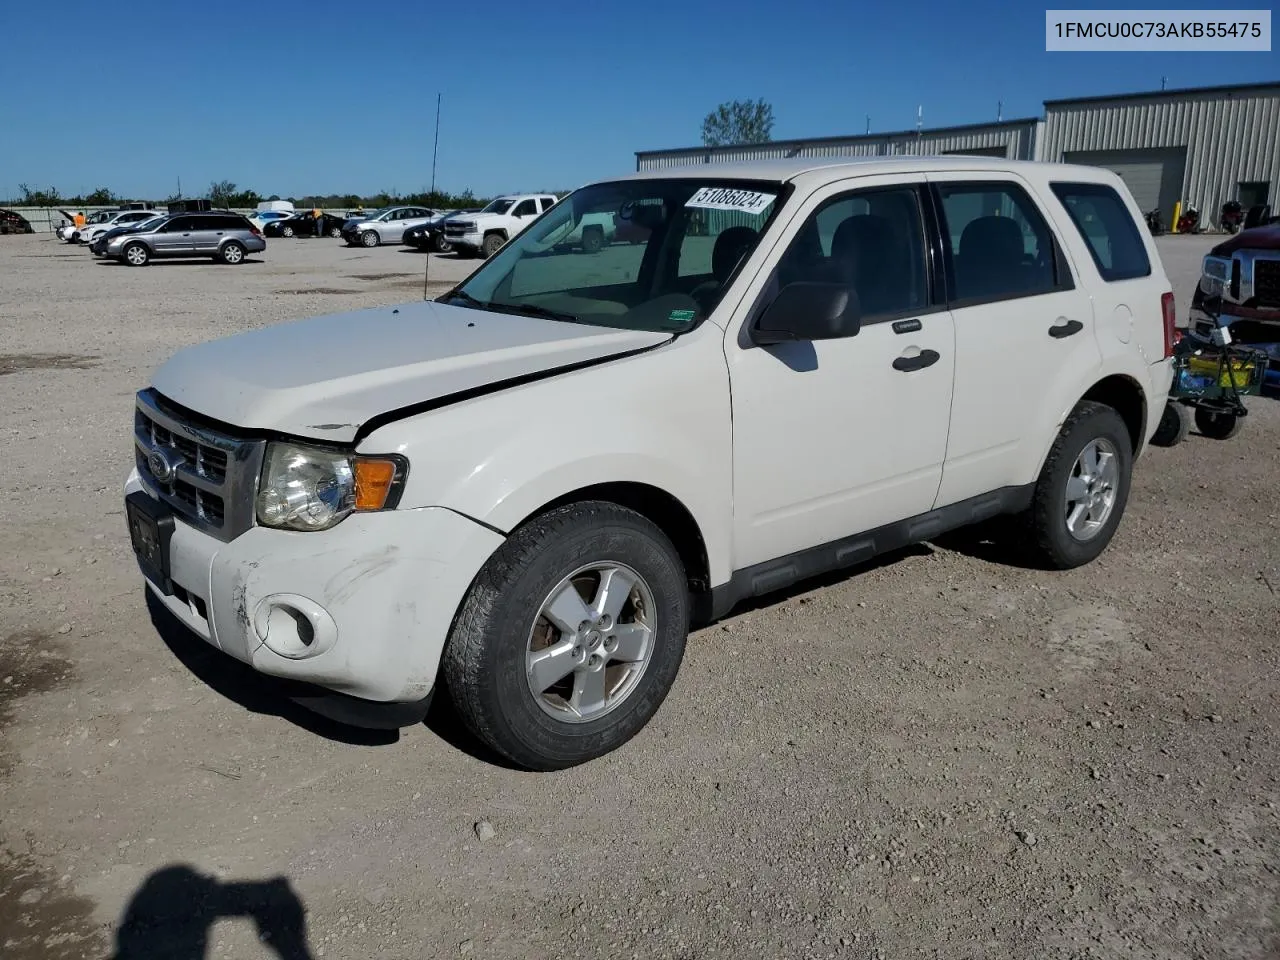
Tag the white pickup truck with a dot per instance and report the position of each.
(527, 490)
(484, 233)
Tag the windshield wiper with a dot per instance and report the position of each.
(468, 299)
(533, 310)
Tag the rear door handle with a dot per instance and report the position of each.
(925, 358)
(1065, 329)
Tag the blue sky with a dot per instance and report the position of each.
(294, 97)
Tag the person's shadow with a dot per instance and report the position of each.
(172, 913)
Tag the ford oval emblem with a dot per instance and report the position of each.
(161, 467)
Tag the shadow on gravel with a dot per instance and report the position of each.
(177, 262)
(173, 912)
(995, 541)
(443, 721)
(254, 691)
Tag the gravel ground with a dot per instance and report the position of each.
(944, 755)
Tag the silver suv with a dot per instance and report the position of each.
(224, 236)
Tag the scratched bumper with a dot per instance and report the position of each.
(392, 583)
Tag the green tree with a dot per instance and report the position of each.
(40, 198)
(220, 192)
(738, 121)
(100, 197)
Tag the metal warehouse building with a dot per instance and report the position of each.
(1201, 146)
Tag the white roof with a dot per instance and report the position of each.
(839, 168)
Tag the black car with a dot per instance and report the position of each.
(430, 236)
(11, 222)
(304, 225)
(99, 245)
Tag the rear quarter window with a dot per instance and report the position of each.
(1107, 228)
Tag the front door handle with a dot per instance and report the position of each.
(925, 358)
(1065, 329)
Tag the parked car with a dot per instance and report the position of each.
(13, 222)
(261, 218)
(304, 225)
(1240, 280)
(430, 235)
(224, 236)
(90, 232)
(852, 356)
(384, 226)
(99, 245)
(70, 232)
(496, 223)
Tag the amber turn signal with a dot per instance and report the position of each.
(373, 483)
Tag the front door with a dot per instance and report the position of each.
(175, 237)
(837, 437)
(1024, 331)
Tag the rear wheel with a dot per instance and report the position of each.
(1082, 490)
(286, 231)
(1217, 425)
(232, 253)
(370, 238)
(137, 255)
(492, 244)
(570, 637)
(335, 231)
(1175, 423)
(592, 240)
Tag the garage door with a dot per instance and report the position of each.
(1154, 177)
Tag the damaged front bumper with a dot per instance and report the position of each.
(363, 609)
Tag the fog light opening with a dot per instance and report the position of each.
(294, 627)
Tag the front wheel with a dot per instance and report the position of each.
(1082, 490)
(232, 253)
(137, 255)
(286, 231)
(370, 238)
(441, 245)
(492, 244)
(570, 637)
(1175, 423)
(1217, 425)
(335, 232)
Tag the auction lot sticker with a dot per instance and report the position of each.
(726, 198)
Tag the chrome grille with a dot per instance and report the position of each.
(213, 474)
(1266, 282)
(459, 227)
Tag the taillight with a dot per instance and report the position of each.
(1170, 322)
(255, 231)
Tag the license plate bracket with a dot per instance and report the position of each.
(150, 530)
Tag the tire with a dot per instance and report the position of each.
(286, 231)
(486, 664)
(1175, 424)
(491, 245)
(592, 240)
(1218, 426)
(335, 232)
(441, 245)
(1056, 540)
(136, 255)
(369, 238)
(232, 253)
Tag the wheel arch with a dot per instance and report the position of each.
(663, 509)
(1125, 395)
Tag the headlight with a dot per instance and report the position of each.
(309, 488)
(1217, 268)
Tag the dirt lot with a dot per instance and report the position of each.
(942, 756)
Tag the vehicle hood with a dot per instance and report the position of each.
(324, 377)
(1256, 238)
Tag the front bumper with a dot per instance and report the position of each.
(471, 240)
(376, 595)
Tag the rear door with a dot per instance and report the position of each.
(175, 237)
(206, 233)
(1024, 330)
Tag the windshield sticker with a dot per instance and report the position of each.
(723, 198)
(681, 315)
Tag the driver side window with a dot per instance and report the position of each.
(871, 240)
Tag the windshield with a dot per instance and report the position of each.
(102, 216)
(146, 224)
(501, 205)
(636, 254)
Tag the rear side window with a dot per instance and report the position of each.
(1107, 228)
(525, 208)
(999, 243)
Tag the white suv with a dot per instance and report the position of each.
(528, 489)
(484, 233)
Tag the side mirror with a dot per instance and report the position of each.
(809, 310)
